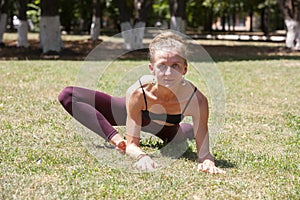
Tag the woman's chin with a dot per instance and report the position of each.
(169, 84)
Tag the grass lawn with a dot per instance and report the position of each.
(42, 155)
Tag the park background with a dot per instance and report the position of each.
(260, 20)
(43, 156)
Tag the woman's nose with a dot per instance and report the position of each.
(168, 70)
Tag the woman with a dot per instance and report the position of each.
(156, 104)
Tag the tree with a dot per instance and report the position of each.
(291, 12)
(23, 26)
(3, 19)
(96, 21)
(67, 14)
(50, 33)
(177, 11)
(133, 34)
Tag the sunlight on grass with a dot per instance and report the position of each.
(42, 156)
(35, 36)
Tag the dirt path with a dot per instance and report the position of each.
(80, 49)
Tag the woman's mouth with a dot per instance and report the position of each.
(168, 80)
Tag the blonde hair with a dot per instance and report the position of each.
(168, 41)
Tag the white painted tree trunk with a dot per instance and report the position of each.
(183, 26)
(23, 34)
(3, 20)
(138, 34)
(133, 36)
(50, 34)
(293, 34)
(127, 35)
(177, 24)
(95, 28)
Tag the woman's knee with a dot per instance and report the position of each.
(187, 130)
(65, 95)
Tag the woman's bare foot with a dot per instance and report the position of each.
(119, 143)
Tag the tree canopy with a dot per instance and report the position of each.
(76, 15)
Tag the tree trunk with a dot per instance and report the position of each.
(96, 21)
(125, 24)
(233, 17)
(293, 34)
(291, 12)
(133, 34)
(229, 22)
(265, 21)
(142, 9)
(50, 33)
(209, 19)
(223, 22)
(177, 11)
(3, 19)
(251, 19)
(23, 27)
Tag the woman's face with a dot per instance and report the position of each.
(168, 68)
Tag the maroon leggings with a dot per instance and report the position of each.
(100, 112)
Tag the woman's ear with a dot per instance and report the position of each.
(185, 69)
(151, 68)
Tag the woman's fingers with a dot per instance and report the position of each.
(212, 169)
(146, 164)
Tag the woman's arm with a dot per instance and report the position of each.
(200, 121)
(135, 104)
(133, 122)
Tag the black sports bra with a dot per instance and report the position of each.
(171, 119)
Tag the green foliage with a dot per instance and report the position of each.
(267, 3)
(195, 14)
(34, 13)
(160, 12)
(75, 15)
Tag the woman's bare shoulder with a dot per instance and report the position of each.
(198, 100)
(134, 94)
(201, 97)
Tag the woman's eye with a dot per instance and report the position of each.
(175, 66)
(162, 67)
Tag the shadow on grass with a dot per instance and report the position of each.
(191, 155)
(184, 151)
(249, 52)
(224, 163)
(221, 53)
(81, 49)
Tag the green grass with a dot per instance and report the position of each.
(42, 156)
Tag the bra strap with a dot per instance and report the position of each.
(189, 100)
(144, 94)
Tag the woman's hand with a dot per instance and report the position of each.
(145, 163)
(209, 167)
(121, 147)
(119, 143)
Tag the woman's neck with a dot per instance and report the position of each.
(163, 93)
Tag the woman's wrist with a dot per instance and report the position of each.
(208, 156)
(142, 155)
(135, 152)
